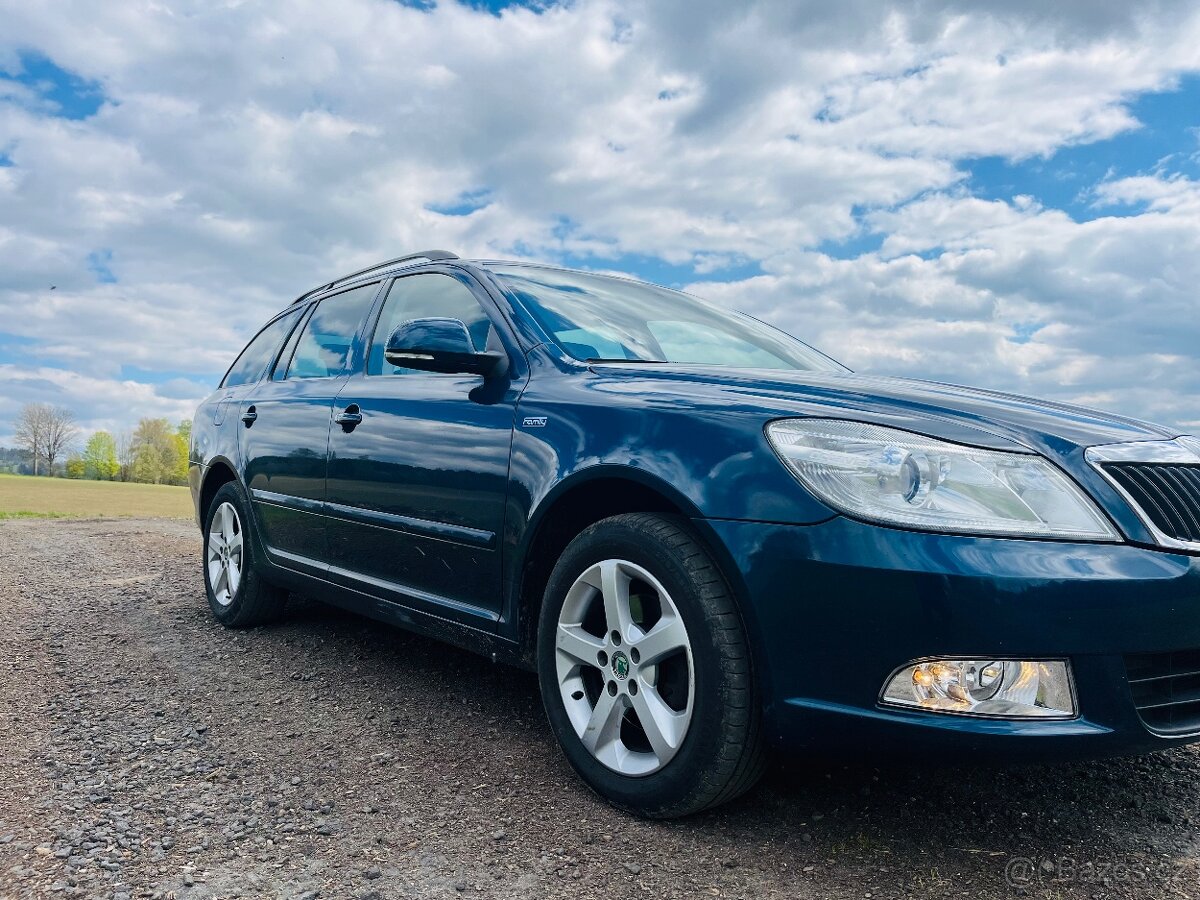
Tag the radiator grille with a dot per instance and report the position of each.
(1167, 494)
(1166, 690)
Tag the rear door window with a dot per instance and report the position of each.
(324, 348)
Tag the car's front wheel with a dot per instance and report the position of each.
(645, 669)
(237, 593)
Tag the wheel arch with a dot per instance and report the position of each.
(219, 473)
(583, 499)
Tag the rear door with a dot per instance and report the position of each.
(285, 429)
(417, 488)
(252, 364)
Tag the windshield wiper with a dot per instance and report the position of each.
(592, 359)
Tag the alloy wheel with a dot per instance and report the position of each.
(225, 553)
(624, 666)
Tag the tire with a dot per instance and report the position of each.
(237, 593)
(705, 746)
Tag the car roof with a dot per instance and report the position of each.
(388, 267)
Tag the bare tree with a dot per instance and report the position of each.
(125, 453)
(61, 433)
(32, 425)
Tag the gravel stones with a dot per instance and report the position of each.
(151, 754)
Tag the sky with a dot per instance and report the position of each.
(1007, 198)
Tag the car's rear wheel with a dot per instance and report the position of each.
(238, 594)
(645, 669)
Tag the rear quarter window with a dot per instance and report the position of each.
(253, 361)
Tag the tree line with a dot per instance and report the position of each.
(49, 442)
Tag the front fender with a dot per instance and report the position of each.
(713, 459)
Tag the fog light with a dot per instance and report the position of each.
(999, 688)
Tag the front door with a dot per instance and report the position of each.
(284, 428)
(418, 482)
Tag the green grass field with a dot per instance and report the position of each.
(23, 496)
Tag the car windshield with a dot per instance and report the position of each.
(601, 318)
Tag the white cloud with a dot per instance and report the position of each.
(246, 152)
(1102, 312)
(111, 404)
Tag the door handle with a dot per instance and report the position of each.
(349, 417)
(249, 416)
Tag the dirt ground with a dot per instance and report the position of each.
(147, 752)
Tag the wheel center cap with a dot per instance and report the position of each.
(620, 665)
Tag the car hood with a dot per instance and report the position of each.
(952, 412)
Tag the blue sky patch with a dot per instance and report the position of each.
(1023, 332)
(498, 6)
(493, 6)
(171, 383)
(18, 349)
(99, 264)
(70, 95)
(1068, 179)
(853, 247)
(658, 271)
(14, 342)
(464, 205)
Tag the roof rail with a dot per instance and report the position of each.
(431, 255)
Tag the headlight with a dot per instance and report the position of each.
(899, 478)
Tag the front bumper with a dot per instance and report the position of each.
(835, 608)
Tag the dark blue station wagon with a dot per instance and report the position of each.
(707, 538)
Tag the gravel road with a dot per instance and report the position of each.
(147, 752)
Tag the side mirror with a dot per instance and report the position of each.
(441, 345)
